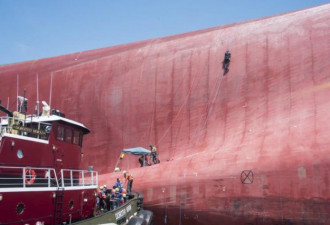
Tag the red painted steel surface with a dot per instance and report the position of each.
(44, 202)
(40, 154)
(269, 115)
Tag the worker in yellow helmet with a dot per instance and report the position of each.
(154, 155)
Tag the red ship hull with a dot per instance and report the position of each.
(250, 147)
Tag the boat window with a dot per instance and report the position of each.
(76, 137)
(68, 135)
(20, 208)
(36, 130)
(60, 133)
(71, 204)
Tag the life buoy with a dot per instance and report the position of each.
(30, 176)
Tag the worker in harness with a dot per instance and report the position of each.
(226, 62)
(154, 155)
(102, 205)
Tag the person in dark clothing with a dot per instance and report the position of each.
(226, 62)
(118, 184)
(141, 160)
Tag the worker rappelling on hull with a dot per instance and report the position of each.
(226, 62)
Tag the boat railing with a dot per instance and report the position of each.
(74, 178)
(3, 126)
(27, 177)
(33, 177)
(24, 126)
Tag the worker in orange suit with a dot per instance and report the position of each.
(129, 181)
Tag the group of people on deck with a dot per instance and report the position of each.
(109, 199)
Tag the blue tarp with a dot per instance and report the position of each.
(137, 151)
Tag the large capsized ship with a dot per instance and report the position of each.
(250, 146)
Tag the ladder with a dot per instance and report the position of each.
(58, 212)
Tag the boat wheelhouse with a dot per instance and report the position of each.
(40, 177)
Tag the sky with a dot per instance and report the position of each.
(44, 28)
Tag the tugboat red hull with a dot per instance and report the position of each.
(250, 147)
(40, 205)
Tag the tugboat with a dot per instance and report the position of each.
(40, 177)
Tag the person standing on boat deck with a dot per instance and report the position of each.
(118, 183)
(102, 197)
(129, 181)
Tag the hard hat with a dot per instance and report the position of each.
(101, 187)
(124, 195)
(124, 171)
(117, 189)
(104, 185)
(124, 191)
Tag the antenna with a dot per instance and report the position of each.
(37, 103)
(17, 91)
(51, 89)
(25, 106)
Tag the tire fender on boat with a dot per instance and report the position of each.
(146, 215)
(136, 221)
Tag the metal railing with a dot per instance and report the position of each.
(33, 177)
(27, 177)
(73, 178)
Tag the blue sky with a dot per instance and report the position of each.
(43, 28)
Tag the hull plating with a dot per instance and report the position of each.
(251, 147)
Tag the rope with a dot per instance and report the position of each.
(17, 92)
(209, 109)
(183, 104)
(51, 89)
